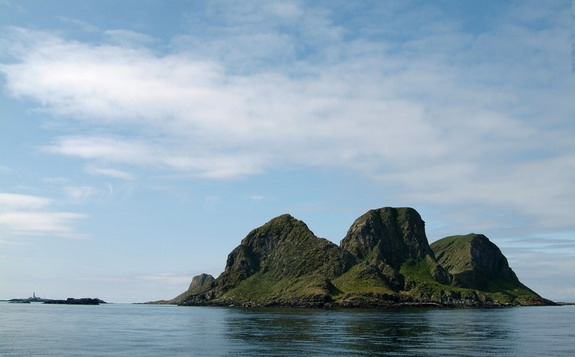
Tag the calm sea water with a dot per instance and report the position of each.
(151, 330)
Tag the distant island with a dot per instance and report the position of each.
(72, 301)
(68, 301)
(32, 298)
(384, 261)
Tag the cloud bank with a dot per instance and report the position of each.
(445, 115)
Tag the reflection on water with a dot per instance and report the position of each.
(353, 332)
(144, 330)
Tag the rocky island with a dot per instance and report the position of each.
(73, 301)
(68, 301)
(384, 260)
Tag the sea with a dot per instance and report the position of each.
(38, 329)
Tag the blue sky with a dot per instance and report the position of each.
(140, 141)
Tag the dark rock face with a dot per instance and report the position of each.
(391, 235)
(384, 260)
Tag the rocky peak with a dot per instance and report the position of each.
(200, 281)
(266, 238)
(393, 235)
(199, 284)
(283, 247)
(473, 260)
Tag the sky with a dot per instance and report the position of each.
(142, 140)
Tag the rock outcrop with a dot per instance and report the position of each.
(386, 238)
(384, 260)
(200, 283)
(388, 235)
(474, 262)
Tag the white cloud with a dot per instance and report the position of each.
(199, 160)
(114, 149)
(103, 171)
(25, 223)
(79, 193)
(13, 201)
(32, 215)
(444, 116)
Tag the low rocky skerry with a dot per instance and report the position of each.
(384, 261)
(75, 301)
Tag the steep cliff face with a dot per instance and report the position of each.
(386, 240)
(384, 260)
(390, 235)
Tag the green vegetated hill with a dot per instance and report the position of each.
(384, 260)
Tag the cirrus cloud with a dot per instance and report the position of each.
(25, 215)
